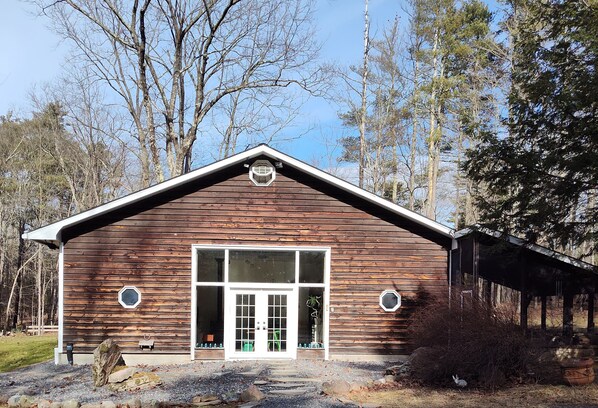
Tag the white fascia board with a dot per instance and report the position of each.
(534, 247)
(351, 188)
(51, 233)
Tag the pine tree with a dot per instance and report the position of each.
(542, 178)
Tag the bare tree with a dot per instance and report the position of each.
(172, 62)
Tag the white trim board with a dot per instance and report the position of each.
(50, 234)
(231, 287)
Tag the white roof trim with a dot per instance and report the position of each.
(534, 247)
(51, 233)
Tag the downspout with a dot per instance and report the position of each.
(454, 245)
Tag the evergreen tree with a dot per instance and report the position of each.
(541, 180)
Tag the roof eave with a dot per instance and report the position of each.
(52, 233)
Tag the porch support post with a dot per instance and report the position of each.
(591, 296)
(543, 313)
(524, 293)
(525, 301)
(567, 314)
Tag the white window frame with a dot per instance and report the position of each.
(259, 163)
(228, 286)
(393, 292)
(123, 304)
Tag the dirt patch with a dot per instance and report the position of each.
(520, 396)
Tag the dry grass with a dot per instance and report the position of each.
(521, 396)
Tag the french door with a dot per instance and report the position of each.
(262, 324)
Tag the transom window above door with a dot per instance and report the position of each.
(270, 266)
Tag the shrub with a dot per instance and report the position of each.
(480, 344)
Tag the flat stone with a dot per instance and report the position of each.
(122, 375)
(294, 391)
(207, 403)
(293, 379)
(139, 381)
(287, 385)
(260, 382)
(370, 405)
(204, 398)
(251, 373)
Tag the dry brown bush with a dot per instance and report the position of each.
(469, 339)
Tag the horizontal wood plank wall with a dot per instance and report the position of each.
(149, 247)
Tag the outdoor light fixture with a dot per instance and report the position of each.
(69, 353)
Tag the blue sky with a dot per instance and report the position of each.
(32, 55)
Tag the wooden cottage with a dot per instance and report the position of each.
(259, 255)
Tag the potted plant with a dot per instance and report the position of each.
(314, 303)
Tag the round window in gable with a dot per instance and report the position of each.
(390, 300)
(129, 297)
(262, 173)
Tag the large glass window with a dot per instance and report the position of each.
(210, 265)
(210, 316)
(311, 317)
(262, 266)
(311, 267)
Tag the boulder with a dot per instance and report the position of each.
(105, 357)
(133, 403)
(44, 403)
(389, 379)
(71, 404)
(3, 399)
(122, 375)
(27, 401)
(138, 381)
(252, 393)
(13, 402)
(338, 387)
(56, 404)
(107, 404)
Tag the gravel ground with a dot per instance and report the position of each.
(180, 383)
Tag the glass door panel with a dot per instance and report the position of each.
(245, 322)
(277, 323)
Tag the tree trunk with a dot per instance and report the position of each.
(363, 113)
(433, 137)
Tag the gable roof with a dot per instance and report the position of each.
(524, 244)
(51, 234)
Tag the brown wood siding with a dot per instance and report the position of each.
(149, 246)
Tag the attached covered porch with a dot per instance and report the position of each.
(484, 259)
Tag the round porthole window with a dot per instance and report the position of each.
(390, 300)
(129, 297)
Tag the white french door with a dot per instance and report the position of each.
(262, 323)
